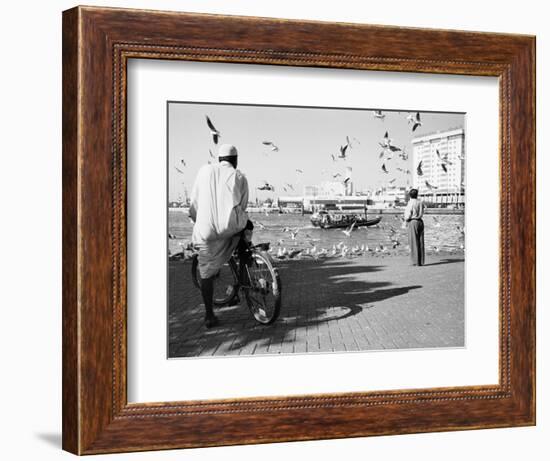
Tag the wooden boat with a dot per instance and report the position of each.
(332, 221)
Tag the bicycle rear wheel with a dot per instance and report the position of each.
(225, 283)
(263, 293)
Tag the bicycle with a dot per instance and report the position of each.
(259, 280)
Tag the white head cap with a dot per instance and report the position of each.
(227, 150)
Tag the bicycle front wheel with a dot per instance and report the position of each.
(263, 292)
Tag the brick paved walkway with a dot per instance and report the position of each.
(367, 303)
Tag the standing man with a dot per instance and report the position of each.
(413, 216)
(218, 209)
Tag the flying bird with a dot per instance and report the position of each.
(387, 144)
(215, 133)
(336, 175)
(419, 171)
(384, 169)
(292, 232)
(443, 158)
(415, 120)
(429, 186)
(349, 229)
(266, 186)
(178, 170)
(378, 114)
(299, 171)
(343, 150)
(403, 154)
(290, 186)
(274, 148)
(183, 162)
(386, 141)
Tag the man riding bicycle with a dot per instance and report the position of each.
(218, 208)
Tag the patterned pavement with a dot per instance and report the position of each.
(332, 305)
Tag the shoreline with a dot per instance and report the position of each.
(372, 211)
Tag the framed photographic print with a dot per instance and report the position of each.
(284, 230)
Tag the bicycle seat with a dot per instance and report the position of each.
(262, 246)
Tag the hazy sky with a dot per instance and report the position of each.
(306, 138)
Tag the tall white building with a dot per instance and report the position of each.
(447, 186)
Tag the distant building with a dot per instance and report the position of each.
(447, 186)
(390, 196)
(348, 181)
(312, 190)
(343, 187)
(325, 189)
(310, 203)
(289, 203)
(331, 195)
(333, 188)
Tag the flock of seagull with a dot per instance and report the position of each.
(388, 150)
(308, 247)
(387, 153)
(297, 243)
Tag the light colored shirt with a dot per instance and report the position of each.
(414, 209)
(218, 203)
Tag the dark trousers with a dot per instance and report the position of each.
(207, 285)
(416, 241)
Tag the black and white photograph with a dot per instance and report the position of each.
(275, 230)
(297, 230)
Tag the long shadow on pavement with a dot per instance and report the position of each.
(446, 261)
(314, 292)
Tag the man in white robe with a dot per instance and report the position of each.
(218, 209)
